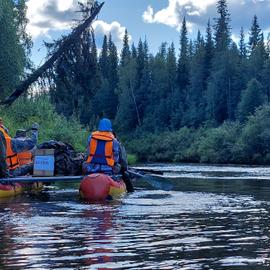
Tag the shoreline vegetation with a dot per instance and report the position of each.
(207, 103)
(230, 143)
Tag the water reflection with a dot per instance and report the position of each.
(198, 225)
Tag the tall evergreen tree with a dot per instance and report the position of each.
(13, 53)
(265, 79)
(219, 90)
(251, 99)
(142, 83)
(172, 77)
(25, 38)
(209, 51)
(103, 59)
(127, 116)
(125, 53)
(195, 113)
(222, 28)
(182, 78)
(255, 34)
(183, 63)
(242, 44)
(158, 115)
(258, 54)
(113, 79)
(77, 79)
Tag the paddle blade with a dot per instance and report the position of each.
(155, 181)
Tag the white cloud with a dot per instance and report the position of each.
(176, 10)
(58, 15)
(46, 15)
(197, 13)
(117, 31)
(51, 15)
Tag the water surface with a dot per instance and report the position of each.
(217, 221)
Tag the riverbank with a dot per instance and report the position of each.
(232, 142)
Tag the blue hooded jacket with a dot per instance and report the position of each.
(104, 125)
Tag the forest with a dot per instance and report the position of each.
(206, 102)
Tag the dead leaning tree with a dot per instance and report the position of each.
(66, 42)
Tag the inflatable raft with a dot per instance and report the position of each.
(94, 187)
(11, 190)
(101, 187)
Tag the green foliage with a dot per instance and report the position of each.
(252, 98)
(52, 126)
(12, 53)
(167, 108)
(254, 143)
(231, 142)
(132, 159)
(218, 143)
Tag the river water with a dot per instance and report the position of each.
(214, 217)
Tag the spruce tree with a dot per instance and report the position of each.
(209, 52)
(157, 115)
(171, 68)
(103, 59)
(76, 80)
(255, 34)
(242, 45)
(127, 116)
(13, 53)
(265, 79)
(112, 79)
(125, 53)
(251, 99)
(182, 78)
(222, 28)
(194, 114)
(258, 54)
(183, 63)
(142, 84)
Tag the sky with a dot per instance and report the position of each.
(156, 20)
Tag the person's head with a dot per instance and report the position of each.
(105, 125)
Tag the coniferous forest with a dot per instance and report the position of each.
(206, 102)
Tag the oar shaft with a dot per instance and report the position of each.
(47, 179)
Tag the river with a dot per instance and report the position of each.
(213, 217)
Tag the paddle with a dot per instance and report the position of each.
(158, 182)
(47, 179)
(145, 170)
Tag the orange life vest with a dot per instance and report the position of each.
(101, 148)
(12, 157)
(25, 157)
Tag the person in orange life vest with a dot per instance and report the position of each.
(103, 150)
(25, 157)
(3, 164)
(15, 146)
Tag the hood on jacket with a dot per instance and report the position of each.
(105, 125)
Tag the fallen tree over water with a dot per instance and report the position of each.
(64, 44)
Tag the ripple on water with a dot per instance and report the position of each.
(147, 230)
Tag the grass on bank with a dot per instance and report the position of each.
(232, 142)
(53, 126)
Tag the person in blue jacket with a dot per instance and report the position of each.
(105, 153)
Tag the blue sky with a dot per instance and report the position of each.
(157, 20)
